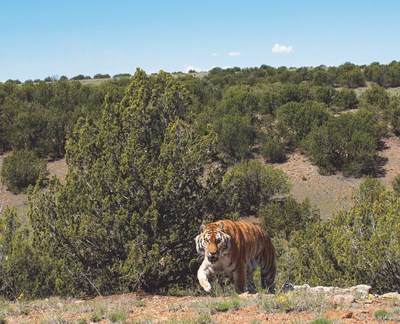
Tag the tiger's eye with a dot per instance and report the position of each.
(218, 240)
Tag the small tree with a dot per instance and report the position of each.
(272, 149)
(296, 120)
(134, 196)
(284, 217)
(22, 268)
(365, 242)
(21, 169)
(235, 135)
(347, 143)
(375, 96)
(249, 185)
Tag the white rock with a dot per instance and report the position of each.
(361, 289)
(301, 287)
(391, 295)
(245, 295)
(324, 289)
(342, 299)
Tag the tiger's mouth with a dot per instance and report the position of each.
(213, 258)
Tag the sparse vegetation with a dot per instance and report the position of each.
(95, 318)
(117, 318)
(383, 314)
(223, 306)
(322, 321)
(139, 303)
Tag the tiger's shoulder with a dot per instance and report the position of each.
(240, 229)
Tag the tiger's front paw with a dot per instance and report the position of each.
(205, 285)
(207, 288)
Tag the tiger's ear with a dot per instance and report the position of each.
(202, 227)
(221, 226)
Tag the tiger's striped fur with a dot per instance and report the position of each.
(236, 248)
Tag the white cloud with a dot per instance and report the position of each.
(214, 54)
(234, 54)
(278, 48)
(192, 68)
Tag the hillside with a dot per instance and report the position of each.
(303, 305)
(329, 193)
(334, 192)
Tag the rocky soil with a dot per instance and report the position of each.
(304, 304)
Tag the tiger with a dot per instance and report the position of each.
(236, 248)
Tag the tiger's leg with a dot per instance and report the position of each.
(267, 280)
(267, 262)
(239, 277)
(205, 272)
(250, 286)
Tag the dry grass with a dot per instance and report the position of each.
(299, 306)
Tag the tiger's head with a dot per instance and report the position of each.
(212, 242)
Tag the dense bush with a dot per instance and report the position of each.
(249, 185)
(272, 149)
(21, 169)
(344, 99)
(23, 269)
(40, 116)
(347, 143)
(235, 135)
(375, 96)
(283, 217)
(296, 120)
(396, 184)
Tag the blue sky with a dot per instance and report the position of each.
(69, 37)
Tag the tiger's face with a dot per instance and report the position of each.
(212, 242)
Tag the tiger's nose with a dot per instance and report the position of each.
(213, 253)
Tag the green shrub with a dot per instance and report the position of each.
(203, 319)
(223, 306)
(343, 100)
(287, 216)
(235, 135)
(375, 96)
(382, 314)
(24, 270)
(250, 185)
(396, 184)
(322, 321)
(82, 321)
(21, 169)
(347, 143)
(95, 318)
(273, 150)
(139, 303)
(116, 318)
(296, 120)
